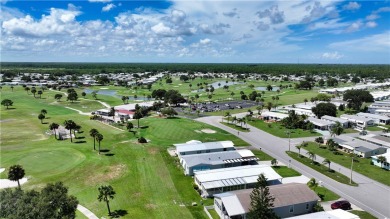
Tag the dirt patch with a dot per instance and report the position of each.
(150, 206)
(112, 172)
(153, 151)
(40, 137)
(137, 194)
(208, 131)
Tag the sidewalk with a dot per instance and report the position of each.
(86, 212)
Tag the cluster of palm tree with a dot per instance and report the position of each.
(94, 133)
(42, 115)
(71, 125)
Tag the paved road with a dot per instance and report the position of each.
(370, 195)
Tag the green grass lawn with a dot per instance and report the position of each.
(148, 183)
(278, 130)
(363, 214)
(236, 127)
(326, 194)
(363, 166)
(321, 168)
(214, 214)
(261, 155)
(374, 128)
(285, 171)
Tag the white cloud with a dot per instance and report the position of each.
(372, 43)
(355, 26)
(163, 30)
(108, 7)
(352, 6)
(332, 55)
(101, 1)
(371, 24)
(205, 41)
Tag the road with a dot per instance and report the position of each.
(370, 195)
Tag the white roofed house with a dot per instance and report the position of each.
(273, 116)
(200, 148)
(385, 164)
(343, 122)
(291, 199)
(357, 121)
(207, 161)
(321, 124)
(216, 181)
(378, 119)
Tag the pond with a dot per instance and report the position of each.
(223, 83)
(113, 93)
(265, 88)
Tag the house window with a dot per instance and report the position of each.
(307, 206)
(291, 209)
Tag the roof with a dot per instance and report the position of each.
(127, 112)
(386, 155)
(354, 142)
(373, 116)
(245, 153)
(203, 146)
(239, 201)
(131, 106)
(241, 175)
(210, 158)
(362, 149)
(333, 214)
(320, 122)
(274, 114)
(354, 117)
(335, 119)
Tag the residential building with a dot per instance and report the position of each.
(200, 148)
(378, 119)
(380, 108)
(273, 116)
(208, 161)
(359, 147)
(216, 181)
(333, 214)
(358, 122)
(343, 122)
(290, 200)
(321, 124)
(386, 164)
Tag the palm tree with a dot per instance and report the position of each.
(15, 173)
(274, 162)
(40, 93)
(129, 126)
(337, 129)
(43, 111)
(227, 114)
(311, 155)
(41, 117)
(93, 133)
(327, 161)
(382, 160)
(53, 127)
(105, 194)
(269, 106)
(312, 184)
(70, 125)
(305, 100)
(99, 138)
(299, 149)
(137, 115)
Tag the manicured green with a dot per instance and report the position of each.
(321, 168)
(374, 128)
(276, 129)
(236, 127)
(214, 214)
(285, 171)
(262, 155)
(148, 183)
(326, 194)
(363, 214)
(362, 166)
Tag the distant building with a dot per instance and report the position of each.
(357, 121)
(378, 119)
(290, 200)
(200, 148)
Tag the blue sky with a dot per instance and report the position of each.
(227, 31)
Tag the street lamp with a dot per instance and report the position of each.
(288, 133)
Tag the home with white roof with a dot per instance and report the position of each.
(197, 147)
(358, 122)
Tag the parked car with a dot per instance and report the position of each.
(364, 132)
(345, 205)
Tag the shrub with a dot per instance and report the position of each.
(142, 140)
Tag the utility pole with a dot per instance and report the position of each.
(350, 180)
(289, 139)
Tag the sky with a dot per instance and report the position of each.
(201, 31)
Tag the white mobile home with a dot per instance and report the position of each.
(378, 119)
(200, 148)
(357, 121)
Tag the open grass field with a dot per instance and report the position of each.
(363, 166)
(321, 168)
(363, 214)
(148, 182)
(278, 130)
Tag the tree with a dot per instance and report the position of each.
(40, 94)
(72, 96)
(355, 98)
(27, 89)
(70, 125)
(382, 159)
(124, 98)
(311, 155)
(169, 111)
(83, 94)
(355, 80)
(321, 82)
(7, 103)
(138, 115)
(269, 106)
(261, 201)
(173, 97)
(53, 127)
(99, 138)
(274, 162)
(337, 129)
(323, 109)
(269, 87)
(129, 126)
(43, 111)
(305, 100)
(312, 183)
(327, 162)
(299, 149)
(41, 117)
(227, 114)
(12, 88)
(58, 97)
(33, 91)
(106, 192)
(319, 140)
(94, 94)
(93, 133)
(16, 173)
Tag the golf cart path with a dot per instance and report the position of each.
(86, 212)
